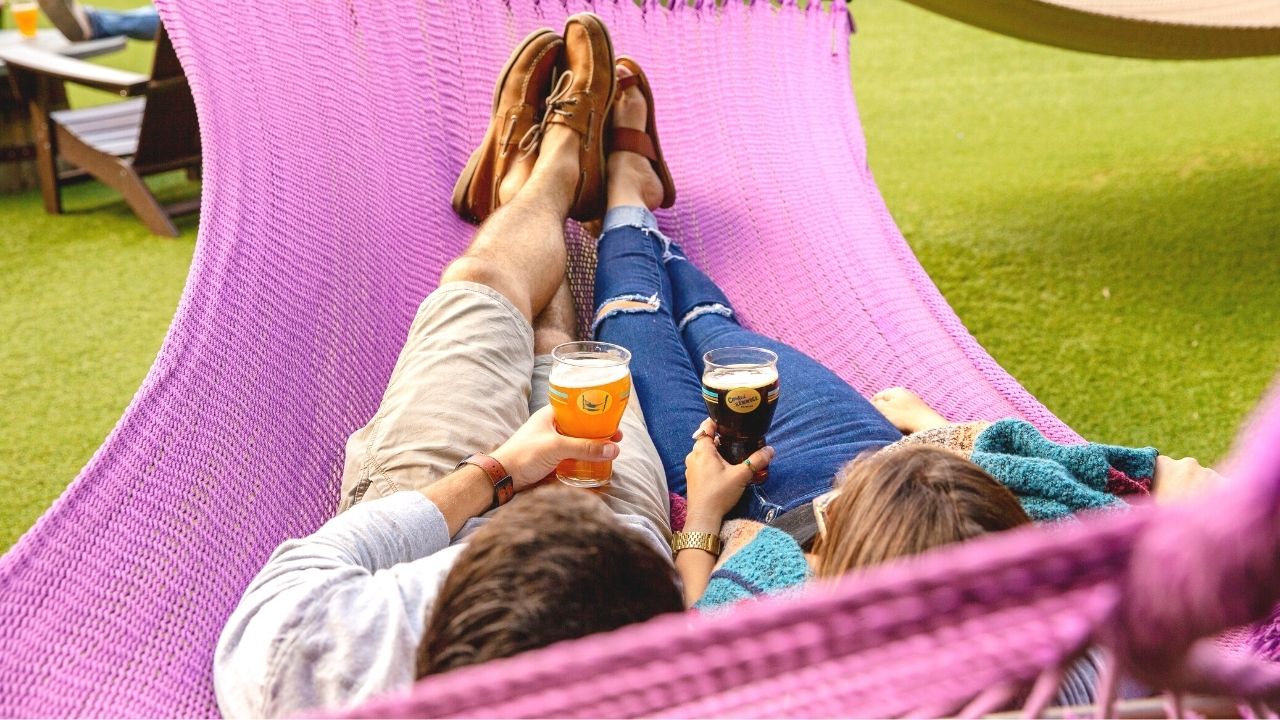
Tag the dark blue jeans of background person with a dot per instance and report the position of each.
(140, 23)
(652, 301)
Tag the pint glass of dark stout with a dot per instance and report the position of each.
(740, 385)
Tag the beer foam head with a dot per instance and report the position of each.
(736, 376)
(587, 372)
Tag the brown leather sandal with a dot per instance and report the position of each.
(643, 142)
(518, 107)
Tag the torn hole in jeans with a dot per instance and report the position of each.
(667, 253)
(700, 310)
(625, 304)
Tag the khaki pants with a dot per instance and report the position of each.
(465, 381)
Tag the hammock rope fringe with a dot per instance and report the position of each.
(333, 134)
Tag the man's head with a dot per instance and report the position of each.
(553, 566)
(902, 503)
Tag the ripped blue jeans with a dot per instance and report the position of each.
(657, 304)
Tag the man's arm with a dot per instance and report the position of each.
(461, 495)
(335, 617)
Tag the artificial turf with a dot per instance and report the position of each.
(1108, 228)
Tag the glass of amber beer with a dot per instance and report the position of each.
(740, 385)
(590, 385)
(25, 16)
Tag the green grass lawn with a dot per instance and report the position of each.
(1108, 228)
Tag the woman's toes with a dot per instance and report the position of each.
(629, 109)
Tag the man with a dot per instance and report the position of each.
(413, 577)
(83, 22)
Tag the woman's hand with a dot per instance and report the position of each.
(537, 447)
(715, 486)
(1180, 479)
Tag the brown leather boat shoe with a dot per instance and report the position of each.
(519, 101)
(581, 101)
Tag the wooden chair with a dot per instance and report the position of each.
(119, 143)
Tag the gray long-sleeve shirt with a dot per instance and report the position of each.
(336, 617)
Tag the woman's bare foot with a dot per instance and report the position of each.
(1176, 480)
(632, 181)
(906, 410)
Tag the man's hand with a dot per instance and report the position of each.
(537, 447)
(1180, 479)
(715, 486)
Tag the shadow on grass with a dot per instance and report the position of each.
(92, 199)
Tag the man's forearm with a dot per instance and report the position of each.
(461, 495)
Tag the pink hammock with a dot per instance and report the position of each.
(333, 133)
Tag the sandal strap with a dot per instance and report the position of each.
(629, 140)
(627, 83)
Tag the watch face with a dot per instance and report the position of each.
(505, 490)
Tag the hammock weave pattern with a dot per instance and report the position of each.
(333, 133)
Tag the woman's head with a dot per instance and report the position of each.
(905, 502)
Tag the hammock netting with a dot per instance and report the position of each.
(333, 133)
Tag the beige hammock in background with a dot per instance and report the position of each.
(1168, 29)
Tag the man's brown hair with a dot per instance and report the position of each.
(555, 565)
(907, 501)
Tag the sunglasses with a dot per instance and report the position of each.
(820, 505)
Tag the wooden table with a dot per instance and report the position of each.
(17, 153)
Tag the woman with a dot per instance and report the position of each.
(653, 301)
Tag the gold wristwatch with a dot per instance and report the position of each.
(705, 541)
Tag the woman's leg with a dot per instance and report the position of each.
(820, 424)
(633, 309)
(632, 299)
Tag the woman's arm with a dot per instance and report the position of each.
(714, 487)
(694, 565)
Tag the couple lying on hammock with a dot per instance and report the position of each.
(427, 568)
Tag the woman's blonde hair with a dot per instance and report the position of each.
(907, 501)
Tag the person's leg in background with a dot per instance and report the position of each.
(85, 22)
(139, 24)
(821, 422)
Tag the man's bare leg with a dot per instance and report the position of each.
(520, 250)
(557, 324)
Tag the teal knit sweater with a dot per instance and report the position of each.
(1053, 481)
(770, 564)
